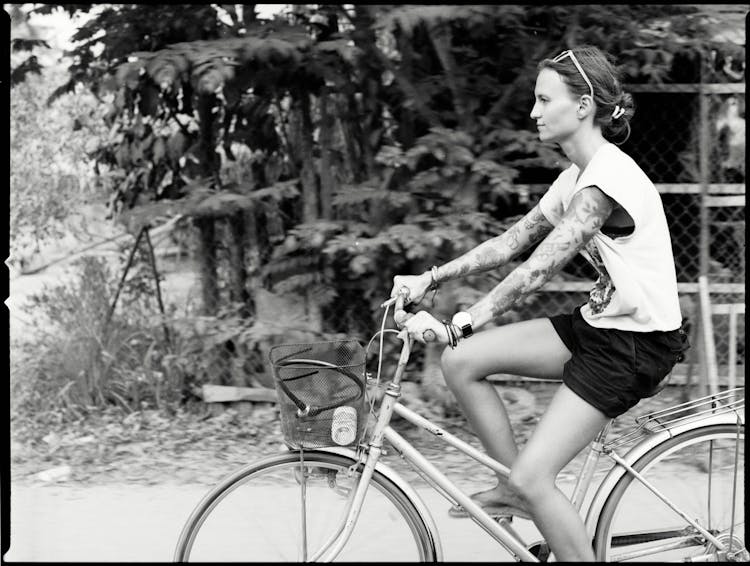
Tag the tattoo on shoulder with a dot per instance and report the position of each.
(592, 207)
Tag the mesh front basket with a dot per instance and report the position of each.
(321, 392)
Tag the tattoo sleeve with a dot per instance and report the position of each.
(587, 213)
(501, 249)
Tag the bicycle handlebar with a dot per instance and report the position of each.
(400, 316)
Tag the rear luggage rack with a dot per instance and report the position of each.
(729, 401)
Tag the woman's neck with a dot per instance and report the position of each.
(580, 150)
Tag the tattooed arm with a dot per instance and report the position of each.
(488, 255)
(499, 250)
(588, 211)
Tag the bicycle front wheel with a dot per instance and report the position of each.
(283, 509)
(703, 473)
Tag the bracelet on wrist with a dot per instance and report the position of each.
(456, 332)
(448, 332)
(452, 334)
(433, 276)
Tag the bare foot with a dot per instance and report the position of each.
(498, 495)
(499, 500)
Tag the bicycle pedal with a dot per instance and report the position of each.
(540, 550)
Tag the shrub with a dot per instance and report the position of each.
(77, 357)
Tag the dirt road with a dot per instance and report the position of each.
(136, 523)
(139, 523)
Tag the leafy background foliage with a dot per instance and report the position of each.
(42, 197)
(314, 155)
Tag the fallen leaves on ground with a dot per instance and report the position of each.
(150, 447)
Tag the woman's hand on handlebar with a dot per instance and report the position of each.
(423, 327)
(418, 285)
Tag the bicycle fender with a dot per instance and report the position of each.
(408, 490)
(642, 447)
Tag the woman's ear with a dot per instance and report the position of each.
(585, 106)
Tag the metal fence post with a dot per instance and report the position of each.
(703, 164)
(709, 344)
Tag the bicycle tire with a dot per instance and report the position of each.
(698, 464)
(252, 515)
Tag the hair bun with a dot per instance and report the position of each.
(618, 125)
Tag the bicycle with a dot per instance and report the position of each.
(320, 502)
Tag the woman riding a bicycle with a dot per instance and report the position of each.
(610, 352)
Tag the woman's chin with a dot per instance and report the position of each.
(547, 137)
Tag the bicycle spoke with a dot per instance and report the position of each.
(734, 490)
(303, 504)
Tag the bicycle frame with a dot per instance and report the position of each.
(501, 530)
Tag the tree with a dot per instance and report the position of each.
(50, 174)
(383, 138)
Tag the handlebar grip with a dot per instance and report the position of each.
(401, 297)
(429, 335)
(399, 315)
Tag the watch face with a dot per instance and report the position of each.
(462, 319)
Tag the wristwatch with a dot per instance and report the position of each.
(462, 319)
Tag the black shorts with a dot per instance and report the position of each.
(614, 369)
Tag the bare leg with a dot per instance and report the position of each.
(568, 426)
(530, 348)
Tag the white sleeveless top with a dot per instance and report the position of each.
(637, 285)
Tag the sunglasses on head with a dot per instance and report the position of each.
(569, 53)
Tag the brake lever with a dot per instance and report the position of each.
(402, 295)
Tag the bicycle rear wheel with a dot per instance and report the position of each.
(696, 471)
(281, 509)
